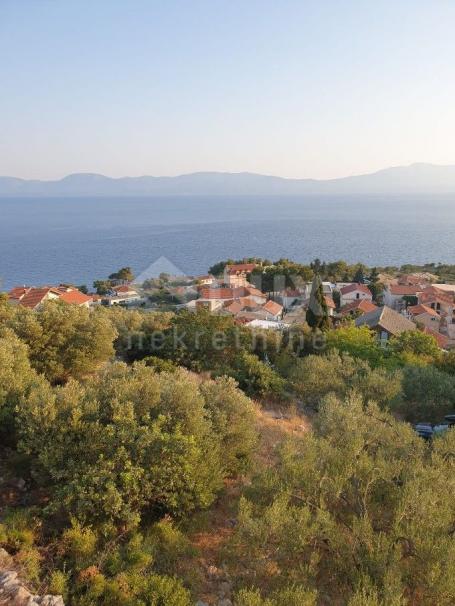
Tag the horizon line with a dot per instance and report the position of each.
(221, 172)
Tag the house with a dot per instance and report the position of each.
(420, 280)
(205, 280)
(237, 275)
(424, 315)
(357, 308)
(32, 297)
(396, 295)
(353, 292)
(292, 297)
(330, 305)
(441, 340)
(447, 288)
(224, 294)
(267, 324)
(209, 304)
(386, 322)
(441, 301)
(76, 297)
(122, 295)
(274, 311)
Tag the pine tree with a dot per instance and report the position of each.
(317, 315)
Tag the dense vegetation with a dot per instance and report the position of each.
(122, 431)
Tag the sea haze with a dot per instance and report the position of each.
(48, 240)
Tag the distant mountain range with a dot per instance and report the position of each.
(414, 179)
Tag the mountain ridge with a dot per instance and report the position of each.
(417, 178)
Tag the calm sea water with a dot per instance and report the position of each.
(78, 240)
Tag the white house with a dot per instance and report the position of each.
(274, 311)
(394, 294)
(424, 315)
(354, 292)
(122, 295)
(237, 275)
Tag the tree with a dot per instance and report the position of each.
(358, 342)
(415, 343)
(309, 379)
(428, 394)
(65, 340)
(131, 440)
(17, 377)
(255, 377)
(363, 503)
(232, 415)
(375, 286)
(123, 441)
(359, 275)
(102, 287)
(125, 274)
(203, 341)
(317, 315)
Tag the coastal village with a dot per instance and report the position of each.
(407, 302)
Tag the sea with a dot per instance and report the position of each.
(78, 240)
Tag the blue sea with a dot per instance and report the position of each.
(76, 240)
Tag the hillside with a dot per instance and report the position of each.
(413, 179)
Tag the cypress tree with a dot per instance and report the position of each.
(317, 315)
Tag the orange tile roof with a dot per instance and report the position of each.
(35, 296)
(248, 302)
(416, 310)
(404, 289)
(329, 302)
(433, 294)
(18, 292)
(252, 291)
(234, 307)
(273, 307)
(411, 280)
(441, 340)
(359, 305)
(353, 287)
(217, 293)
(75, 297)
(123, 288)
(241, 268)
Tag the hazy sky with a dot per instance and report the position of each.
(294, 88)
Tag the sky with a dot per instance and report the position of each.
(319, 89)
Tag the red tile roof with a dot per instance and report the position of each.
(273, 307)
(234, 307)
(223, 293)
(75, 297)
(35, 296)
(435, 295)
(441, 340)
(329, 302)
(359, 305)
(416, 310)
(411, 280)
(247, 302)
(404, 289)
(123, 289)
(255, 292)
(354, 287)
(18, 292)
(241, 268)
